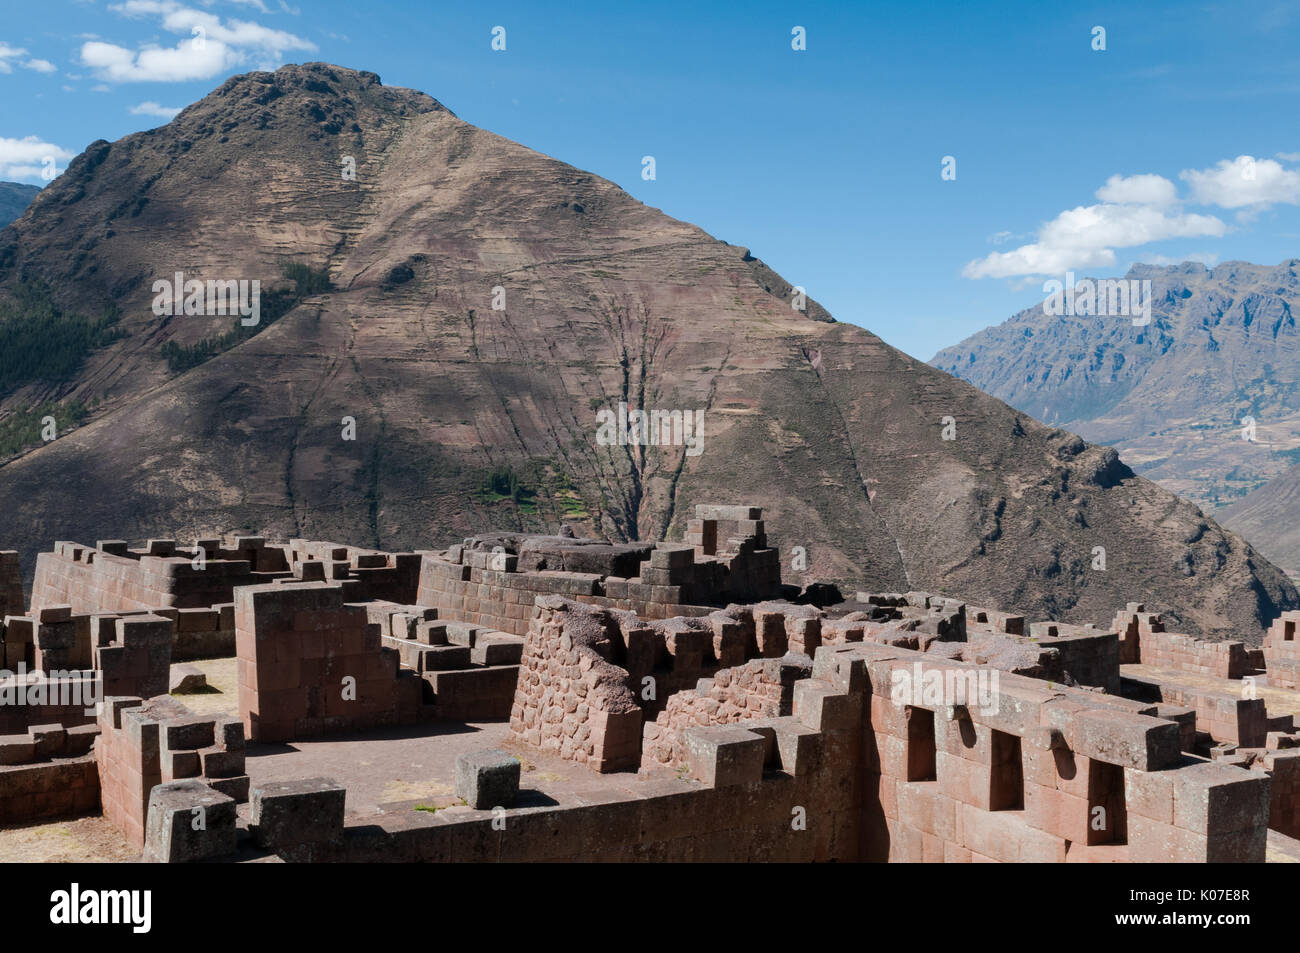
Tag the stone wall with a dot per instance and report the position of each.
(1143, 640)
(53, 790)
(493, 580)
(116, 579)
(146, 743)
(1020, 778)
(1283, 768)
(1225, 715)
(1069, 654)
(48, 773)
(735, 538)
(112, 578)
(309, 664)
(859, 771)
(50, 639)
(469, 672)
(133, 654)
(503, 599)
(758, 689)
(1282, 651)
(1081, 655)
(34, 698)
(642, 665)
(572, 697)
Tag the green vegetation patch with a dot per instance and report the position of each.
(42, 343)
(540, 489)
(274, 305)
(23, 429)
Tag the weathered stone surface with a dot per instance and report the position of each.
(286, 814)
(188, 821)
(487, 779)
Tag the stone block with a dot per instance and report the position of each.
(723, 756)
(188, 821)
(292, 813)
(487, 779)
(186, 679)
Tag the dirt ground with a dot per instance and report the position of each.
(87, 840)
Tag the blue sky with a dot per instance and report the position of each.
(825, 162)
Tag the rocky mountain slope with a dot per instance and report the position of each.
(378, 325)
(14, 197)
(1271, 517)
(1174, 397)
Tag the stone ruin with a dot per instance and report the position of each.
(711, 712)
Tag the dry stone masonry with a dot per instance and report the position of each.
(720, 714)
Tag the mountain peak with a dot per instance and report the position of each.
(320, 82)
(466, 308)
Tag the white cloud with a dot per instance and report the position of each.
(1139, 209)
(210, 46)
(184, 62)
(1087, 236)
(1244, 182)
(1139, 190)
(153, 109)
(8, 53)
(12, 55)
(26, 158)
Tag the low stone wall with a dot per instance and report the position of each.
(761, 688)
(1083, 655)
(1225, 716)
(1182, 653)
(29, 699)
(50, 790)
(814, 817)
(48, 772)
(469, 672)
(204, 633)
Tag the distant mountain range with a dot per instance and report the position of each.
(444, 316)
(14, 198)
(1204, 399)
